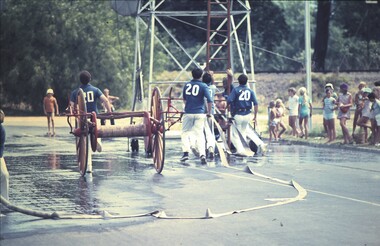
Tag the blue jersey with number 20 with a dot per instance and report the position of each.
(194, 93)
(242, 99)
(91, 95)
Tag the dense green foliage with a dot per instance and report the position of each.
(47, 43)
(354, 36)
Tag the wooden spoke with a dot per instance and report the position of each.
(82, 140)
(159, 151)
(83, 154)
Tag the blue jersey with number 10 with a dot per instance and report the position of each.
(91, 95)
(194, 93)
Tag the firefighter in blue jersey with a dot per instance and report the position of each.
(91, 95)
(243, 99)
(208, 79)
(194, 116)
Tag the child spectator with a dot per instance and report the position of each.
(376, 112)
(344, 103)
(111, 100)
(305, 109)
(293, 110)
(280, 112)
(330, 87)
(358, 102)
(364, 120)
(272, 121)
(329, 115)
(50, 106)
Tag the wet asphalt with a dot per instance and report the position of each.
(342, 205)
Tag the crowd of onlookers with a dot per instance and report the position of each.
(365, 104)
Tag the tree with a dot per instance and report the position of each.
(357, 23)
(289, 55)
(46, 43)
(322, 35)
(269, 28)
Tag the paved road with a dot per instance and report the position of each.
(342, 206)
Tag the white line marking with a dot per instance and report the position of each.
(344, 197)
(275, 183)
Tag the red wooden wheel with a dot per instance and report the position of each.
(157, 139)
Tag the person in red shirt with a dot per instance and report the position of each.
(50, 109)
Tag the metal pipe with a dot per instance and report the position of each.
(151, 56)
(123, 131)
(308, 53)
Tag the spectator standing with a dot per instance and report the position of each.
(344, 104)
(243, 100)
(50, 106)
(376, 92)
(358, 102)
(111, 100)
(293, 110)
(305, 110)
(365, 119)
(272, 121)
(330, 87)
(280, 113)
(329, 115)
(376, 112)
(194, 115)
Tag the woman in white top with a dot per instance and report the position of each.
(293, 110)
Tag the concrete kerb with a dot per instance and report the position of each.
(354, 147)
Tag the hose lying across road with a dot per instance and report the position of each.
(44, 215)
(302, 193)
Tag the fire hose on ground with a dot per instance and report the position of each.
(302, 193)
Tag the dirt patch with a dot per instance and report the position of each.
(59, 121)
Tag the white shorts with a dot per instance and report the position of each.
(192, 132)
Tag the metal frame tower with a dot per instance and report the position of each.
(234, 23)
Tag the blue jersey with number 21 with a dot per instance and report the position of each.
(194, 93)
(91, 95)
